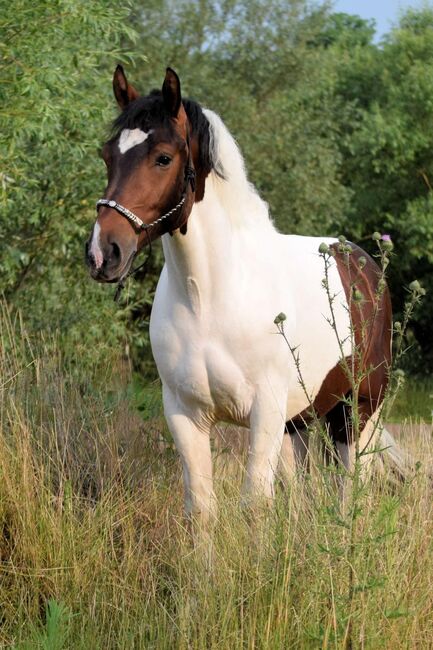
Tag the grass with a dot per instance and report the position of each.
(94, 552)
(414, 400)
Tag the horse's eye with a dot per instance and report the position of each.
(163, 160)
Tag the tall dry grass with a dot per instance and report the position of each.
(94, 552)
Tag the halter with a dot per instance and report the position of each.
(139, 223)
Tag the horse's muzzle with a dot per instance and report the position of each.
(111, 267)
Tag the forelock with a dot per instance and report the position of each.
(144, 113)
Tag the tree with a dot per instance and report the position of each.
(55, 109)
(387, 150)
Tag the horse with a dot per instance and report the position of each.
(175, 172)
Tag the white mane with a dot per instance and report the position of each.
(237, 195)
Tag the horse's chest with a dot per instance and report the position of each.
(203, 374)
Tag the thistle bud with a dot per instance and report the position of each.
(324, 248)
(381, 285)
(342, 239)
(357, 295)
(376, 236)
(280, 318)
(362, 262)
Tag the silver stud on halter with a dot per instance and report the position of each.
(133, 217)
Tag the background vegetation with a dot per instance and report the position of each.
(337, 131)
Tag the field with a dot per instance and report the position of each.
(95, 552)
(335, 126)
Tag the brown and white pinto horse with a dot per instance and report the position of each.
(174, 171)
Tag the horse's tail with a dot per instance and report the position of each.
(394, 457)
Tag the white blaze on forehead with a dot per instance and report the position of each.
(131, 137)
(95, 246)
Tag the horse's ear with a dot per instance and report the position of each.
(123, 91)
(171, 92)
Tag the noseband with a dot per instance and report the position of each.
(139, 223)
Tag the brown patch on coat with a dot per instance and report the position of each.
(372, 327)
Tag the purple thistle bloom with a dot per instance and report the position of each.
(386, 238)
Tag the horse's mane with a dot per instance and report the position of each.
(238, 196)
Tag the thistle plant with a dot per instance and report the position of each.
(346, 513)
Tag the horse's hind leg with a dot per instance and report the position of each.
(294, 451)
(339, 421)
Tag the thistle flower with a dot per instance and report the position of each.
(387, 244)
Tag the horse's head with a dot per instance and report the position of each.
(151, 177)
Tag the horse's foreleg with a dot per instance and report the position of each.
(267, 423)
(192, 441)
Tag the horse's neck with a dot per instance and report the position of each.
(204, 254)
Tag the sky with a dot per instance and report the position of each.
(385, 12)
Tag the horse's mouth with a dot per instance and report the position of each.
(103, 276)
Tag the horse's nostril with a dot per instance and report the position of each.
(115, 252)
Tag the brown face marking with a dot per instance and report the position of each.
(372, 325)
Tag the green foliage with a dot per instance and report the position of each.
(55, 110)
(387, 151)
(347, 31)
(336, 132)
(53, 635)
